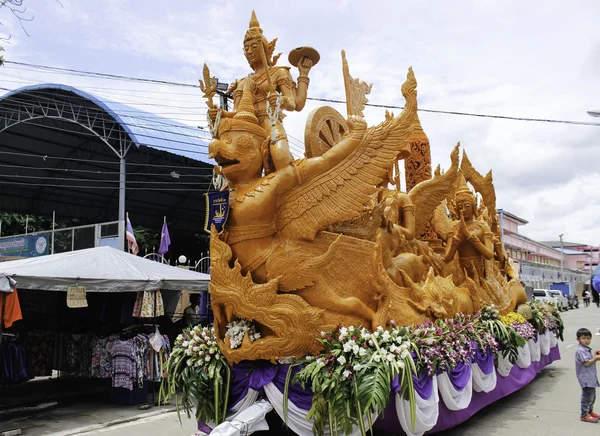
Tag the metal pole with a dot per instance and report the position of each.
(26, 223)
(53, 226)
(122, 202)
(562, 256)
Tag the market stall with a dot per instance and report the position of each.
(98, 313)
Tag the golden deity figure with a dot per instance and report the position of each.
(472, 238)
(321, 241)
(273, 89)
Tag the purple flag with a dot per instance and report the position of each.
(165, 239)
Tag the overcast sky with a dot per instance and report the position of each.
(525, 59)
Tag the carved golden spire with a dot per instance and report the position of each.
(462, 191)
(245, 110)
(254, 21)
(418, 134)
(254, 31)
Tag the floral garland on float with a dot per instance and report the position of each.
(357, 370)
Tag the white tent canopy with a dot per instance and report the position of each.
(101, 269)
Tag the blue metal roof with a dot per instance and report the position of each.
(144, 128)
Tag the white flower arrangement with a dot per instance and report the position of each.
(236, 330)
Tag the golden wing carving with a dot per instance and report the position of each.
(297, 269)
(441, 222)
(342, 192)
(483, 185)
(429, 194)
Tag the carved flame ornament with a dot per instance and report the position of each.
(324, 240)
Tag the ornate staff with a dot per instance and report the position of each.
(273, 114)
(209, 88)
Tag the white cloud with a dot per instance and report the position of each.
(497, 57)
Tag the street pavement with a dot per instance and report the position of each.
(548, 406)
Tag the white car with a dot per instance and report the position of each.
(544, 296)
(562, 301)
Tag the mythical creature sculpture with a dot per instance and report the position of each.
(323, 241)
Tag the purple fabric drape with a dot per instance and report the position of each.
(460, 376)
(255, 375)
(447, 419)
(485, 361)
(302, 398)
(423, 385)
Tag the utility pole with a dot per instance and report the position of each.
(562, 256)
(221, 90)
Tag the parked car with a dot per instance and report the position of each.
(562, 301)
(573, 302)
(545, 296)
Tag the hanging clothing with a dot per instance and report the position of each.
(40, 345)
(124, 364)
(12, 308)
(101, 357)
(14, 364)
(148, 304)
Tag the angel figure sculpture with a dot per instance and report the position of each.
(471, 238)
(273, 89)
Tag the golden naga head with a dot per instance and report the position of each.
(254, 34)
(238, 146)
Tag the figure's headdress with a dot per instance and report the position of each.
(463, 192)
(255, 32)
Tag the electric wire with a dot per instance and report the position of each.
(171, 83)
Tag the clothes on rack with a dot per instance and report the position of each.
(101, 357)
(14, 363)
(128, 359)
(11, 310)
(40, 346)
(148, 304)
(135, 360)
(124, 364)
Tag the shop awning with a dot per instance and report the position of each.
(101, 269)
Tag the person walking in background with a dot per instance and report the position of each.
(595, 288)
(586, 298)
(585, 369)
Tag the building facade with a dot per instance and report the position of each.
(540, 264)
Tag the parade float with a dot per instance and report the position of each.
(345, 303)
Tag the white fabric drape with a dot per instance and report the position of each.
(504, 365)
(296, 419)
(453, 399)
(248, 400)
(483, 382)
(427, 411)
(553, 340)
(248, 421)
(534, 348)
(524, 357)
(545, 343)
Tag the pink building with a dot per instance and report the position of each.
(539, 263)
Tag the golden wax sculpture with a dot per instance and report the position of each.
(313, 243)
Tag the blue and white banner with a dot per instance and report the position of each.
(217, 210)
(25, 246)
